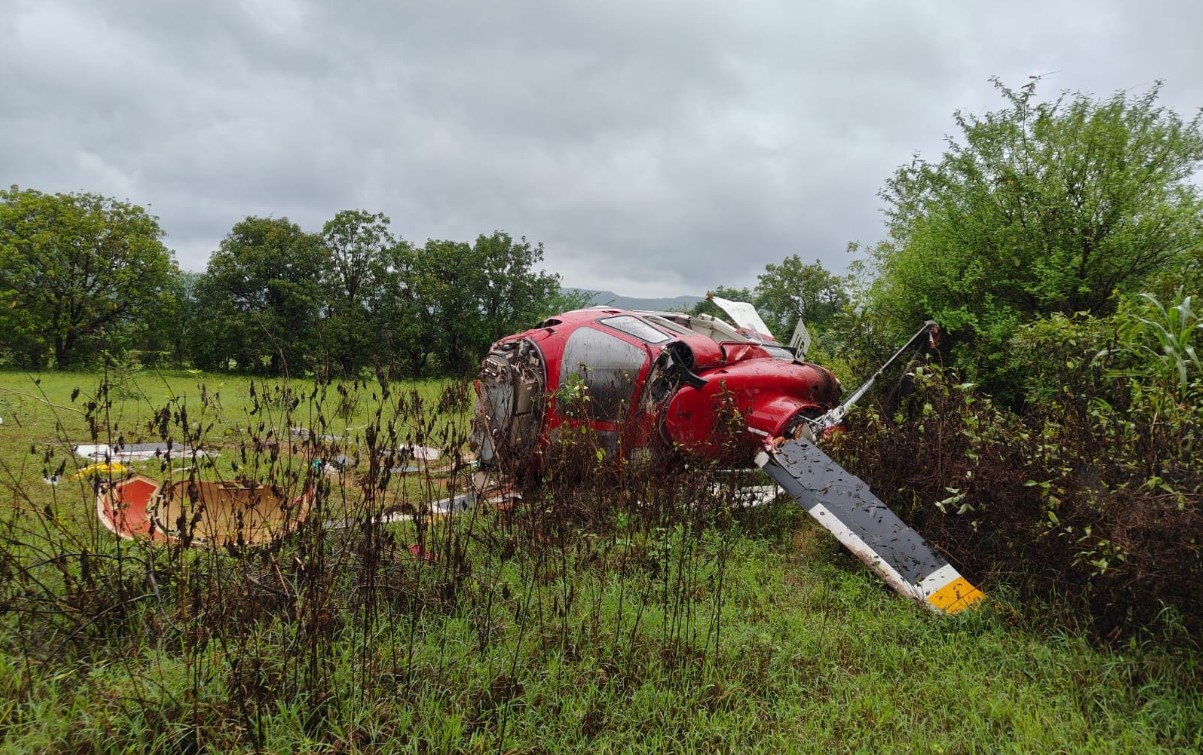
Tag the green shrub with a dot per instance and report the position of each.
(1090, 501)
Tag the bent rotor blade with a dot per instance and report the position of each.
(844, 505)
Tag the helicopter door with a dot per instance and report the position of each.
(600, 376)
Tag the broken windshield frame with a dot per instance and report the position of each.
(633, 326)
(710, 327)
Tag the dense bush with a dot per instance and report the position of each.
(1091, 494)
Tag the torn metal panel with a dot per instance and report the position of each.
(843, 504)
(100, 470)
(422, 453)
(223, 513)
(749, 496)
(745, 316)
(135, 451)
(210, 513)
(800, 342)
(122, 506)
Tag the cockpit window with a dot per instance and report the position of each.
(635, 327)
(667, 323)
(703, 325)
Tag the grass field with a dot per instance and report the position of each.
(600, 616)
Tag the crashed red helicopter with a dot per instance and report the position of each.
(672, 385)
(694, 386)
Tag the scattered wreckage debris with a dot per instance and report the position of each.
(222, 513)
(129, 452)
(225, 513)
(406, 451)
(105, 468)
(693, 387)
(217, 514)
(673, 386)
(480, 489)
(411, 458)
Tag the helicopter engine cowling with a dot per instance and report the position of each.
(743, 403)
(510, 406)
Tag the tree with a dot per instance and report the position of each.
(261, 294)
(413, 300)
(451, 300)
(356, 242)
(791, 291)
(78, 273)
(565, 300)
(514, 294)
(400, 325)
(788, 292)
(1040, 208)
(447, 283)
(707, 307)
(188, 318)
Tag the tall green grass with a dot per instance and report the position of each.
(610, 610)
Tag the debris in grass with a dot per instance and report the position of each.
(105, 468)
(425, 453)
(134, 451)
(422, 554)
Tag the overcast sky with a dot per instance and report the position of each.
(655, 148)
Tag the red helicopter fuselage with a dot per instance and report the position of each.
(684, 387)
(687, 385)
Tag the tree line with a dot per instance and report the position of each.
(1046, 211)
(86, 277)
(1048, 223)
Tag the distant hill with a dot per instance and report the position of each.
(611, 299)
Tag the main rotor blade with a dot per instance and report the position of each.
(843, 504)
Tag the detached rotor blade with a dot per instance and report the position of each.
(930, 330)
(844, 505)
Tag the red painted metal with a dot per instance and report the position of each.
(122, 506)
(733, 393)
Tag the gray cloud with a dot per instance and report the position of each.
(655, 148)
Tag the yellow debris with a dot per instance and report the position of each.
(99, 469)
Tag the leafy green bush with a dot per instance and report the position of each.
(1160, 343)
(1091, 495)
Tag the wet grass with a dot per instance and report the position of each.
(639, 615)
